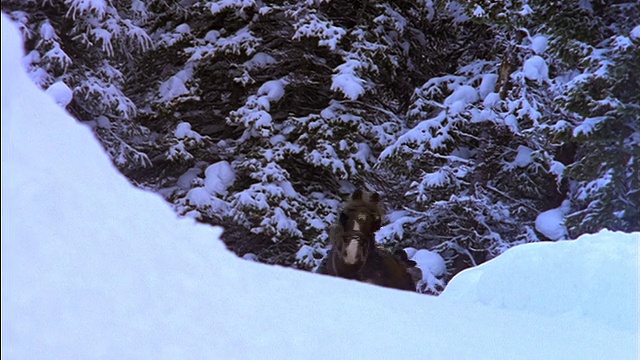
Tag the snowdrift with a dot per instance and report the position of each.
(595, 277)
(94, 268)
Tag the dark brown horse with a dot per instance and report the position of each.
(354, 254)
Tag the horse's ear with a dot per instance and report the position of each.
(343, 219)
(401, 255)
(357, 195)
(375, 197)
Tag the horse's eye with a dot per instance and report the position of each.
(343, 219)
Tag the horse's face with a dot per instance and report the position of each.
(358, 223)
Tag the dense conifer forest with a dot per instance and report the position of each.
(479, 122)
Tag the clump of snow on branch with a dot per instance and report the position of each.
(57, 56)
(460, 98)
(539, 44)
(183, 130)
(536, 68)
(433, 269)
(107, 97)
(169, 38)
(437, 117)
(175, 86)
(104, 25)
(551, 222)
(78, 8)
(592, 187)
(395, 229)
(240, 42)
(184, 138)
(311, 25)
(523, 158)
(588, 125)
(238, 5)
(207, 195)
(478, 11)
(186, 180)
(218, 178)
(60, 93)
(259, 60)
(347, 81)
(254, 115)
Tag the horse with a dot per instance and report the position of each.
(354, 254)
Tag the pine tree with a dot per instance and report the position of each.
(606, 107)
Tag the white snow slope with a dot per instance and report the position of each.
(94, 268)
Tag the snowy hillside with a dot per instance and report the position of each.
(94, 268)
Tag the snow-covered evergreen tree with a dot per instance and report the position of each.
(605, 104)
(299, 99)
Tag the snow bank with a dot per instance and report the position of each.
(594, 277)
(94, 268)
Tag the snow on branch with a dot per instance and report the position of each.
(97, 21)
(136, 35)
(178, 152)
(47, 32)
(325, 155)
(183, 131)
(222, 5)
(176, 85)
(391, 17)
(241, 42)
(107, 97)
(104, 37)
(347, 81)
(273, 201)
(311, 25)
(254, 115)
(183, 140)
(434, 132)
(588, 125)
(79, 8)
(56, 56)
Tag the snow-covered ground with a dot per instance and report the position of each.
(94, 268)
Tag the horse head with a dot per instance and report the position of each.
(352, 237)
